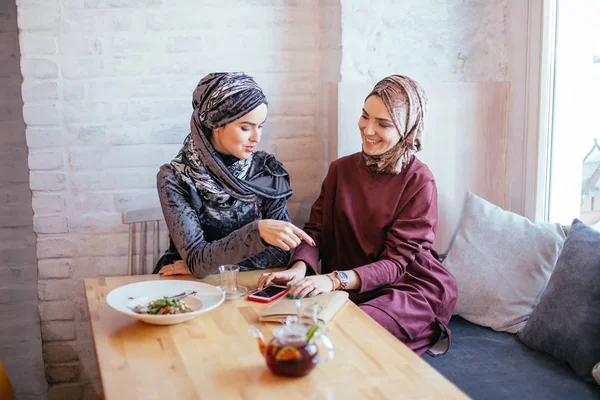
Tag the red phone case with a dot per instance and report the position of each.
(264, 299)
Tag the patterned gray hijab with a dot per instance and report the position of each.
(219, 99)
(406, 102)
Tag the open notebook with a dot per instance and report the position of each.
(330, 304)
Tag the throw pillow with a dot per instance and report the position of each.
(596, 373)
(566, 322)
(501, 262)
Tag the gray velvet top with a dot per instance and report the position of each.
(206, 234)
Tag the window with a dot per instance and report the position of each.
(572, 181)
(590, 187)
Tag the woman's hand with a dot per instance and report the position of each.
(295, 273)
(311, 286)
(177, 268)
(282, 234)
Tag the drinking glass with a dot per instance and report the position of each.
(229, 283)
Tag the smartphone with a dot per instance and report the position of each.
(268, 294)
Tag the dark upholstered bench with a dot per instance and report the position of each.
(490, 365)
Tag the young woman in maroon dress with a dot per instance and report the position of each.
(374, 224)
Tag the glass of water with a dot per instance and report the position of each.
(229, 282)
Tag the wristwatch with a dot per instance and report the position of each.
(343, 277)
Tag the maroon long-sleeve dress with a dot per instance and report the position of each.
(383, 227)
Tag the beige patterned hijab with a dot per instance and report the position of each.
(406, 102)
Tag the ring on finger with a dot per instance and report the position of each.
(301, 289)
(307, 290)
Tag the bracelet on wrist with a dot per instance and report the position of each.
(343, 278)
(333, 284)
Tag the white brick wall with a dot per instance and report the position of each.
(428, 40)
(20, 333)
(107, 88)
(330, 17)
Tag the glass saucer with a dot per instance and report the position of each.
(242, 290)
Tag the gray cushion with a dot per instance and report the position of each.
(490, 365)
(502, 263)
(566, 322)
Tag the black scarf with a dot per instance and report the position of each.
(218, 100)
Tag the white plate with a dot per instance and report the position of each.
(206, 298)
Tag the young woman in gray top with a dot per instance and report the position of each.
(224, 202)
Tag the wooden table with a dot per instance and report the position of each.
(214, 356)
